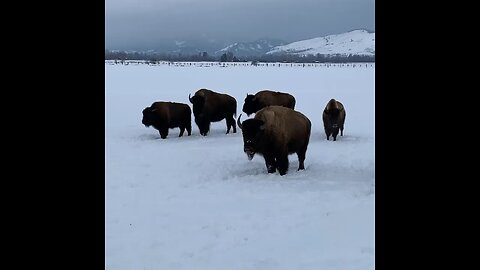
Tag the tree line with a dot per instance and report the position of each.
(230, 57)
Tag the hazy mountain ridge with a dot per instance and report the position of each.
(254, 48)
(356, 42)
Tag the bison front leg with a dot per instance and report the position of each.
(182, 130)
(327, 132)
(335, 134)
(282, 164)
(270, 163)
(341, 131)
(207, 128)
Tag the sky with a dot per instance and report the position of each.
(143, 24)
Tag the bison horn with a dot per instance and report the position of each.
(238, 122)
(189, 98)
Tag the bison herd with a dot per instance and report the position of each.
(276, 131)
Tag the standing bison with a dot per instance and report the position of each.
(275, 132)
(334, 118)
(254, 103)
(209, 106)
(165, 115)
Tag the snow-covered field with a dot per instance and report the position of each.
(198, 203)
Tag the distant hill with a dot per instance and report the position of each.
(254, 48)
(357, 42)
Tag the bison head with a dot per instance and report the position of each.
(333, 115)
(250, 105)
(148, 116)
(203, 125)
(252, 130)
(201, 119)
(198, 104)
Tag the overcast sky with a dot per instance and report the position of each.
(143, 23)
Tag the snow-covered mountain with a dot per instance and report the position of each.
(357, 42)
(254, 48)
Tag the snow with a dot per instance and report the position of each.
(258, 47)
(197, 202)
(228, 47)
(357, 42)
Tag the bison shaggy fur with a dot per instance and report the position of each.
(164, 115)
(210, 106)
(275, 132)
(262, 99)
(334, 118)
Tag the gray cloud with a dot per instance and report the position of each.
(134, 24)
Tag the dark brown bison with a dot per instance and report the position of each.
(165, 115)
(253, 103)
(209, 106)
(275, 132)
(334, 118)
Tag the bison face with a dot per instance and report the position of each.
(250, 105)
(333, 115)
(201, 119)
(148, 117)
(252, 130)
(203, 124)
(198, 104)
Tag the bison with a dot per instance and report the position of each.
(210, 106)
(254, 103)
(334, 118)
(164, 115)
(275, 132)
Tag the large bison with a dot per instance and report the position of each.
(209, 106)
(275, 132)
(334, 118)
(164, 115)
(254, 103)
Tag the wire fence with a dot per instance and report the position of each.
(236, 64)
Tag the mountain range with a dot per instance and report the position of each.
(355, 42)
(254, 48)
